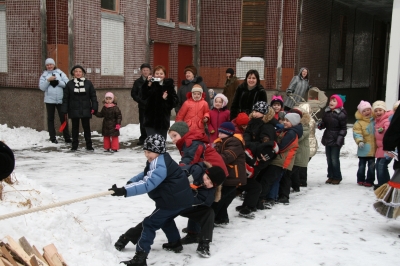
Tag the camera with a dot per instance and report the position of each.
(155, 79)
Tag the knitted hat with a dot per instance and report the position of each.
(379, 104)
(111, 95)
(75, 67)
(198, 88)
(191, 68)
(277, 99)
(216, 174)
(223, 97)
(395, 105)
(261, 107)
(293, 118)
(155, 143)
(340, 99)
(7, 161)
(363, 105)
(49, 61)
(230, 71)
(227, 128)
(145, 65)
(180, 127)
(242, 119)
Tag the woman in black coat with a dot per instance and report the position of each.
(247, 94)
(160, 97)
(80, 102)
(7, 161)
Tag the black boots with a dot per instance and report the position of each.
(174, 246)
(121, 243)
(203, 249)
(190, 238)
(138, 260)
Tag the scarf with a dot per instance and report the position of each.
(108, 105)
(79, 85)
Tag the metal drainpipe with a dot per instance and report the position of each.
(297, 64)
(197, 44)
(147, 52)
(280, 51)
(329, 46)
(70, 34)
(43, 16)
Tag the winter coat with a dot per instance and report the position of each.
(288, 143)
(335, 122)
(157, 112)
(230, 89)
(303, 152)
(187, 87)
(217, 117)
(313, 138)
(244, 99)
(193, 112)
(201, 194)
(391, 139)
(232, 151)
(112, 117)
(79, 104)
(381, 122)
(136, 92)
(364, 131)
(53, 94)
(297, 86)
(164, 181)
(7, 161)
(194, 148)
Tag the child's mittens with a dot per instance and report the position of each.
(381, 129)
(118, 191)
(212, 131)
(117, 126)
(361, 145)
(279, 126)
(93, 112)
(320, 125)
(275, 147)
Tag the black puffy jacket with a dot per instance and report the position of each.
(244, 99)
(79, 105)
(335, 124)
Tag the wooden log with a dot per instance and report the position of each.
(51, 251)
(8, 256)
(48, 259)
(37, 254)
(1, 262)
(6, 262)
(18, 251)
(35, 261)
(26, 246)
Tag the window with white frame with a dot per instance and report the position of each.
(3, 41)
(184, 11)
(112, 45)
(163, 9)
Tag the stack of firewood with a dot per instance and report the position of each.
(14, 254)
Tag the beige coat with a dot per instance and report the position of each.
(312, 138)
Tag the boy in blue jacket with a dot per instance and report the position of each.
(167, 184)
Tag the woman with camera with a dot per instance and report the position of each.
(53, 82)
(160, 97)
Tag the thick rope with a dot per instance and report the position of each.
(58, 204)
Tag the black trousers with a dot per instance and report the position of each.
(253, 190)
(143, 134)
(51, 110)
(202, 215)
(86, 132)
(152, 131)
(221, 207)
(267, 177)
(299, 176)
(285, 184)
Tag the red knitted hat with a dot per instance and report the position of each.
(242, 119)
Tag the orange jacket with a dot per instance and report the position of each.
(193, 113)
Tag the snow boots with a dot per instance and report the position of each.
(138, 260)
(203, 249)
(121, 243)
(190, 238)
(245, 212)
(173, 246)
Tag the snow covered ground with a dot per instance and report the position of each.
(323, 225)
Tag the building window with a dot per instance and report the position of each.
(184, 11)
(110, 5)
(112, 46)
(163, 9)
(253, 28)
(341, 61)
(3, 42)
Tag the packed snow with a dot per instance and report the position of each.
(323, 225)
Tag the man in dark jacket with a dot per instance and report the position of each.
(136, 95)
(7, 161)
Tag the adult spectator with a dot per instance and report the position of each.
(135, 93)
(231, 85)
(191, 78)
(247, 94)
(297, 89)
(7, 161)
(80, 102)
(53, 82)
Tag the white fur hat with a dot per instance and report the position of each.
(223, 97)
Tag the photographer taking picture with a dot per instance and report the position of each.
(160, 97)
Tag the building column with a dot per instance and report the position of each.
(393, 73)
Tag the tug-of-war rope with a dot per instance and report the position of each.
(58, 204)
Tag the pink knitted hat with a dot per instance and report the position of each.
(223, 97)
(363, 105)
(338, 100)
(111, 95)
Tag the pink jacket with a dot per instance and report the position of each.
(217, 117)
(381, 122)
(193, 112)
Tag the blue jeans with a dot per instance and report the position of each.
(332, 158)
(382, 172)
(362, 162)
(159, 218)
